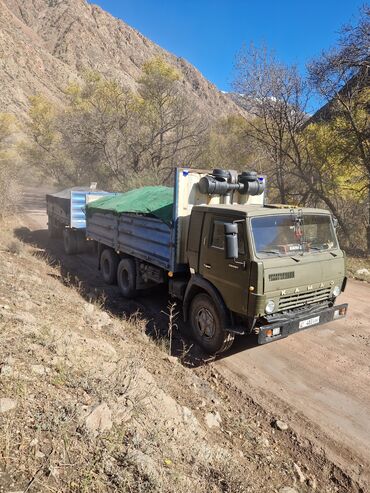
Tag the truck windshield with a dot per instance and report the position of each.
(287, 235)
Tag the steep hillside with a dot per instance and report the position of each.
(44, 44)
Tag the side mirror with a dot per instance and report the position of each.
(231, 240)
(335, 222)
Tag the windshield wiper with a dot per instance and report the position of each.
(276, 252)
(323, 249)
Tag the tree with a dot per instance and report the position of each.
(276, 98)
(8, 165)
(46, 151)
(115, 136)
(341, 76)
(174, 131)
(99, 127)
(229, 147)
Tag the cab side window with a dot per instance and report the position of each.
(218, 236)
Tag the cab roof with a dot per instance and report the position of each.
(249, 210)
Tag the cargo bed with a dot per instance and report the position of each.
(144, 237)
(152, 223)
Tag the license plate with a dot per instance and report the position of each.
(309, 322)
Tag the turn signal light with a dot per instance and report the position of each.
(340, 312)
(272, 332)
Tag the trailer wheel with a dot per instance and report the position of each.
(208, 325)
(109, 262)
(126, 277)
(70, 242)
(53, 229)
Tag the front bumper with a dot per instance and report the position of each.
(266, 333)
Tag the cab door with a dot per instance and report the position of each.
(229, 276)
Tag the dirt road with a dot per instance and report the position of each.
(318, 380)
(323, 375)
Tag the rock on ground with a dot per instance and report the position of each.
(288, 489)
(213, 420)
(7, 404)
(38, 369)
(99, 420)
(301, 476)
(280, 425)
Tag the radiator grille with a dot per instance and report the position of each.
(300, 299)
(281, 275)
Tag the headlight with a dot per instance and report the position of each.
(336, 291)
(270, 306)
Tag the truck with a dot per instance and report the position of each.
(66, 215)
(236, 264)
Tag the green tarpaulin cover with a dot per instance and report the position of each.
(156, 201)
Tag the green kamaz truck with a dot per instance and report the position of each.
(236, 264)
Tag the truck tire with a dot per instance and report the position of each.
(70, 242)
(53, 229)
(126, 277)
(208, 325)
(108, 263)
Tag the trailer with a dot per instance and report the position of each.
(66, 215)
(236, 264)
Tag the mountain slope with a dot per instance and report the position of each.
(44, 44)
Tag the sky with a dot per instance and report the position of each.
(209, 34)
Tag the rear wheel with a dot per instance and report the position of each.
(51, 230)
(109, 262)
(54, 229)
(208, 325)
(126, 277)
(70, 241)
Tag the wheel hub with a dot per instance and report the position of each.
(124, 277)
(205, 323)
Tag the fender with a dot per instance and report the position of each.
(198, 284)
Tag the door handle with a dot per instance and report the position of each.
(207, 266)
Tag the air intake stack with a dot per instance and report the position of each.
(226, 182)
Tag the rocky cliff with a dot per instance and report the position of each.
(45, 44)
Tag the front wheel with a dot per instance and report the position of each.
(208, 325)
